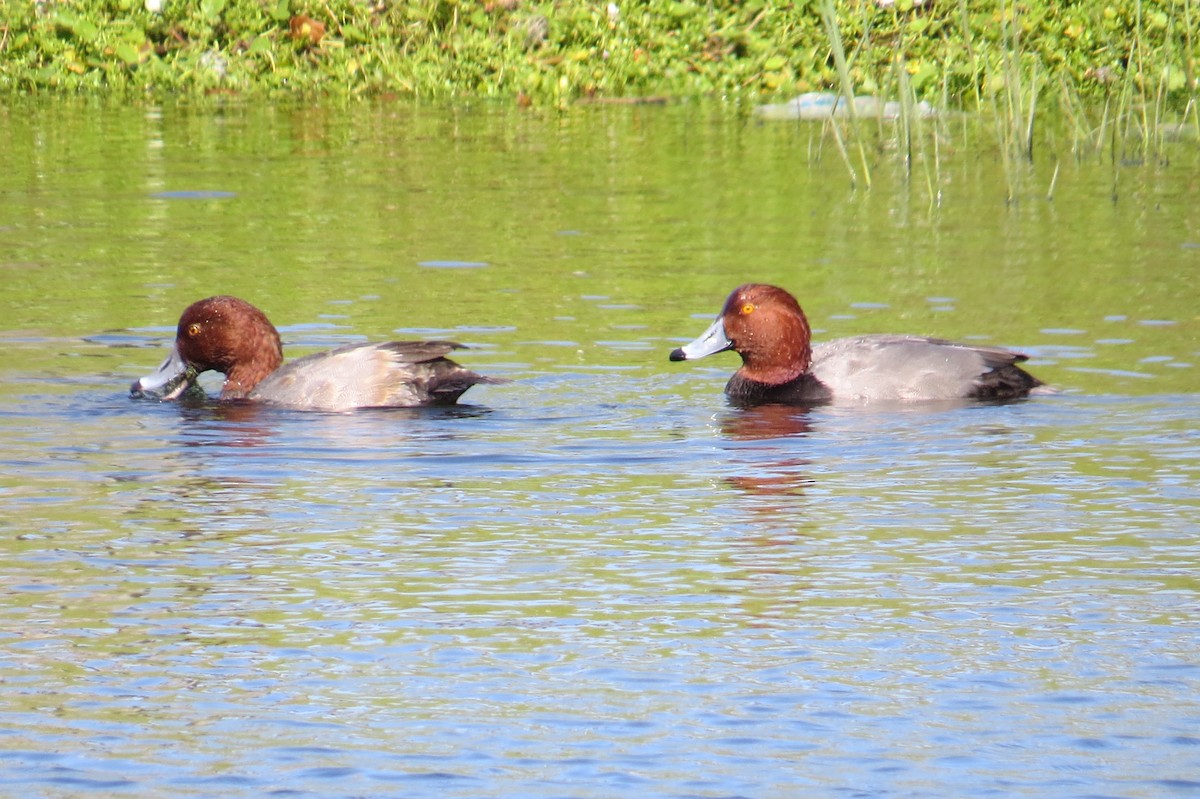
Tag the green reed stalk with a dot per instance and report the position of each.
(1029, 126)
(1125, 114)
(841, 145)
(964, 20)
(1105, 123)
(912, 135)
(1010, 179)
(829, 17)
(905, 122)
(1160, 101)
(1076, 115)
(1138, 38)
(1006, 123)
(1188, 76)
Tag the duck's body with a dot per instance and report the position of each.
(231, 336)
(393, 374)
(766, 326)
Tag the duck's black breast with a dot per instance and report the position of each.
(804, 390)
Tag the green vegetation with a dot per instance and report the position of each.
(950, 52)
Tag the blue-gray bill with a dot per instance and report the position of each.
(710, 342)
(168, 382)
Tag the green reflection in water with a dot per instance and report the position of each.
(606, 235)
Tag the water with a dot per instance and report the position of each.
(598, 579)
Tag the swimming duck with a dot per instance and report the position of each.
(229, 335)
(766, 326)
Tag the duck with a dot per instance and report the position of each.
(229, 335)
(767, 327)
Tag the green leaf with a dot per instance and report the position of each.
(126, 52)
(925, 73)
(261, 44)
(84, 30)
(212, 9)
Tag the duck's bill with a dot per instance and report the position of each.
(169, 382)
(711, 341)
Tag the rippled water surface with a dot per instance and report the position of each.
(597, 580)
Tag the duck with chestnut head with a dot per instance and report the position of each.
(766, 326)
(229, 335)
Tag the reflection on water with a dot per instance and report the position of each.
(766, 422)
(598, 580)
(763, 459)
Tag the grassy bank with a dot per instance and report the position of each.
(950, 52)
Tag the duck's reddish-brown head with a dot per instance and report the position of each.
(766, 326)
(222, 334)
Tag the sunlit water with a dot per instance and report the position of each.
(597, 580)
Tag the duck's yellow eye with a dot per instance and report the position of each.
(194, 329)
(747, 308)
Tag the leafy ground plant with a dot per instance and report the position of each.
(555, 53)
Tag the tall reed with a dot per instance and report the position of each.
(833, 31)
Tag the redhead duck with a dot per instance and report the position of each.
(765, 325)
(231, 336)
